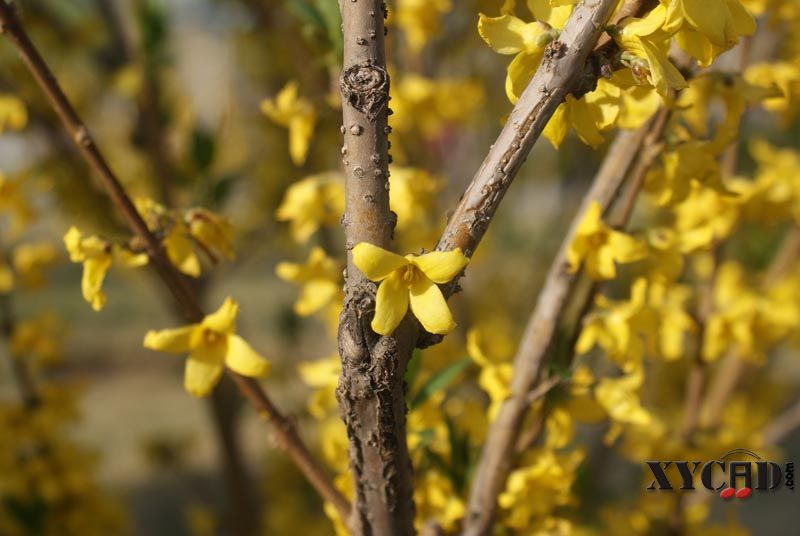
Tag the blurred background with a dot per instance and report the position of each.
(172, 92)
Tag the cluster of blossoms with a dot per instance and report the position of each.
(48, 484)
(691, 296)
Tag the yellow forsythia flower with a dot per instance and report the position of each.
(296, 114)
(491, 348)
(312, 202)
(6, 277)
(323, 376)
(409, 280)
(13, 203)
(420, 20)
(13, 114)
(97, 255)
(30, 259)
(706, 28)
(526, 41)
(212, 345)
(588, 116)
(213, 232)
(648, 43)
(619, 398)
(599, 247)
(320, 277)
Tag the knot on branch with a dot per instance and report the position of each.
(365, 87)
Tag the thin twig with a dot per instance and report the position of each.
(12, 28)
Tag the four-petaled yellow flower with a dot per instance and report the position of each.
(311, 203)
(97, 255)
(599, 247)
(409, 280)
(212, 345)
(296, 114)
(320, 277)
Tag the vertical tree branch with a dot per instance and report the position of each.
(285, 430)
(371, 391)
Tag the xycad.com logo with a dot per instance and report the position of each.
(739, 478)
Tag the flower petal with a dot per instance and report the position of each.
(201, 374)
(441, 266)
(505, 34)
(174, 341)
(241, 358)
(376, 263)
(223, 320)
(430, 307)
(315, 295)
(391, 304)
(94, 272)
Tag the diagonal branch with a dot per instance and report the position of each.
(497, 456)
(563, 66)
(285, 430)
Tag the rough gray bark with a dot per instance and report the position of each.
(562, 69)
(371, 391)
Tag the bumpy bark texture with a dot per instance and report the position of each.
(371, 390)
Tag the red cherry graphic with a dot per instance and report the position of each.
(744, 493)
(727, 493)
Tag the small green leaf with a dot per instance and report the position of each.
(203, 149)
(413, 368)
(440, 380)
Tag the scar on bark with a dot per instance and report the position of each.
(365, 86)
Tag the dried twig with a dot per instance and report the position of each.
(290, 441)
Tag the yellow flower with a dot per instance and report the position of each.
(30, 259)
(619, 398)
(176, 239)
(320, 278)
(6, 277)
(509, 35)
(784, 75)
(428, 106)
(588, 116)
(323, 376)
(212, 345)
(704, 218)
(213, 232)
(420, 20)
(410, 280)
(13, 203)
(647, 43)
(97, 255)
(296, 114)
(708, 27)
(312, 202)
(638, 103)
(490, 346)
(599, 247)
(180, 251)
(541, 484)
(13, 114)
(40, 337)
(616, 326)
(413, 194)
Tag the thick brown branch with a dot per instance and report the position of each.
(371, 391)
(12, 28)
